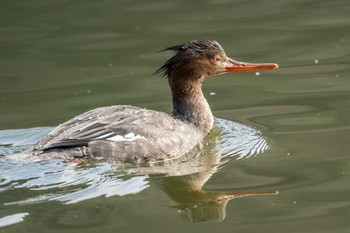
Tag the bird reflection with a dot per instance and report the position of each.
(199, 204)
(183, 182)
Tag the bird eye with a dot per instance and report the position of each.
(217, 58)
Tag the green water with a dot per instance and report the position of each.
(61, 58)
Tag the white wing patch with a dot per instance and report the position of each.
(128, 137)
(104, 136)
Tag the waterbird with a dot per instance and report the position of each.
(139, 135)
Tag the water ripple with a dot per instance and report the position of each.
(69, 182)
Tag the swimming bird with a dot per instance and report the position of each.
(139, 135)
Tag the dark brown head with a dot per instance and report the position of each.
(201, 59)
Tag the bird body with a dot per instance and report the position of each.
(116, 131)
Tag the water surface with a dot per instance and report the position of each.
(285, 129)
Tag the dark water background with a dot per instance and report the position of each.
(285, 130)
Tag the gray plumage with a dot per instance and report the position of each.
(152, 135)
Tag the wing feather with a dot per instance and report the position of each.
(93, 125)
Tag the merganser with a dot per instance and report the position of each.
(139, 135)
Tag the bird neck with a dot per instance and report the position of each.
(189, 103)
